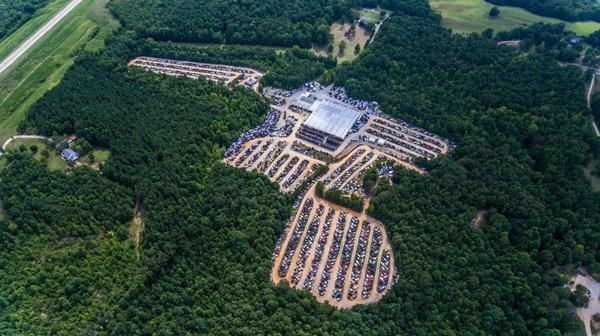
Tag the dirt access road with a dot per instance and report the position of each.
(12, 58)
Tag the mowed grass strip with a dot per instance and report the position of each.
(467, 16)
(42, 15)
(42, 67)
(21, 88)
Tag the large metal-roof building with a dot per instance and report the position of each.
(328, 124)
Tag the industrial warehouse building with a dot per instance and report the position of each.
(329, 124)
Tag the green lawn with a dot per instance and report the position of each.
(54, 160)
(466, 16)
(42, 66)
(100, 157)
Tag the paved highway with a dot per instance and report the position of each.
(35, 37)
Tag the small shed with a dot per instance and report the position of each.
(69, 154)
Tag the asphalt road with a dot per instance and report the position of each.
(12, 58)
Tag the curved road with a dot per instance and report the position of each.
(38, 34)
(15, 137)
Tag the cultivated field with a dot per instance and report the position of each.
(467, 16)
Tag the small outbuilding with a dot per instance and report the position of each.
(69, 154)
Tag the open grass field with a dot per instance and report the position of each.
(467, 16)
(100, 157)
(338, 30)
(594, 180)
(54, 160)
(42, 67)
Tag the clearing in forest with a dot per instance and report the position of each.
(342, 33)
(137, 226)
(41, 151)
(589, 315)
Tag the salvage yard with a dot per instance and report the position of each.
(340, 255)
(220, 73)
(351, 262)
(318, 136)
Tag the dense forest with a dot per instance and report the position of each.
(63, 258)
(266, 22)
(14, 13)
(569, 10)
(519, 122)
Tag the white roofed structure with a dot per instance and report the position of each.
(330, 118)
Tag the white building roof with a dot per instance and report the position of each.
(331, 118)
(305, 101)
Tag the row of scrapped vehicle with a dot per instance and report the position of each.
(339, 93)
(294, 240)
(319, 251)
(311, 254)
(265, 129)
(217, 69)
(269, 157)
(347, 163)
(353, 169)
(215, 72)
(309, 238)
(257, 154)
(413, 131)
(417, 146)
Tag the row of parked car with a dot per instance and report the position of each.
(345, 260)
(334, 250)
(349, 161)
(296, 174)
(309, 238)
(267, 160)
(265, 129)
(376, 242)
(346, 175)
(290, 250)
(319, 250)
(359, 259)
(288, 167)
(275, 168)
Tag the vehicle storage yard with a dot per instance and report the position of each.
(339, 255)
(225, 74)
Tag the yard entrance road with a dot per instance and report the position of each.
(12, 58)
